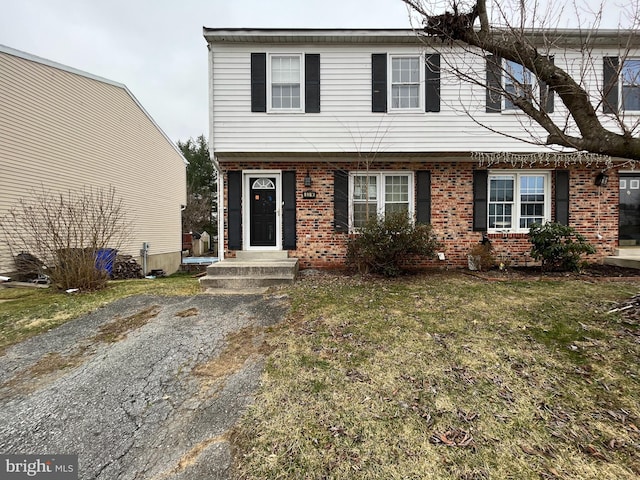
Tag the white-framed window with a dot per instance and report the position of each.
(519, 82)
(405, 72)
(379, 193)
(630, 84)
(285, 82)
(518, 199)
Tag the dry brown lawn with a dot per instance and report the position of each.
(447, 376)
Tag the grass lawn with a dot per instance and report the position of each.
(25, 312)
(447, 376)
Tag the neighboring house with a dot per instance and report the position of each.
(62, 129)
(313, 130)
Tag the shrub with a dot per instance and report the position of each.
(63, 235)
(481, 256)
(385, 244)
(559, 247)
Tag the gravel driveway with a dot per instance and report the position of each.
(145, 388)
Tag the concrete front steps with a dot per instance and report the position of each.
(628, 257)
(254, 271)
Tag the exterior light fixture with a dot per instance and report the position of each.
(307, 180)
(602, 179)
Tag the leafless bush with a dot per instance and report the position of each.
(71, 235)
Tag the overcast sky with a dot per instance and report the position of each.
(156, 48)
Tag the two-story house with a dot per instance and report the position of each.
(315, 130)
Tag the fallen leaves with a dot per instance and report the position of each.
(455, 437)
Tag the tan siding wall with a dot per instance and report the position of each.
(60, 131)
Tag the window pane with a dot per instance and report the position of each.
(285, 69)
(405, 82)
(396, 188)
(500, 215)
(285, 82)
(396, 208)
(631, 97)
(362, 212)
(501, 193)
(531, 200)
(405, 96)
(518, 81)
(501, 189)
(363, 189)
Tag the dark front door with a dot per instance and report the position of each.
(262, 212)
(629, 229)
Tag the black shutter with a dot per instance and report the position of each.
(379, 82)
(494, 84)
(610, 80)
(234, 192)
(341, 201)
(562, 197)
(432, 86)
(423, 196)
(289, 210)
(312, 83)
(258, 82)
(546, 94)
(480, 178)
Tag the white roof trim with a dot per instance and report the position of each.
(59, 66)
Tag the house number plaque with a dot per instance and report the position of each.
(308, 194)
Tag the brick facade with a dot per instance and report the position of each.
(593, 211)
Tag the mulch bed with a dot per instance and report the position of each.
(597, 272)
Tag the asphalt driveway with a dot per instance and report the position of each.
(145, 388)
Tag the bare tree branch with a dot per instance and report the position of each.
(517, 41)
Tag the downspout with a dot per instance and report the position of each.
(214, 160)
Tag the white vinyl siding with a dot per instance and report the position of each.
(346, 123)
(60, 131)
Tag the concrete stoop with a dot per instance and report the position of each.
(251, 271)
(625, 257)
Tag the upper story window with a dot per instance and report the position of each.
(405, 82)
(516, 200)
(630, 80)
(518, 82)
(379, 193)
(286, 81)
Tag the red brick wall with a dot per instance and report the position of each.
(593, 211)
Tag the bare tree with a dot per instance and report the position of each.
(70, 237)
(528, 35)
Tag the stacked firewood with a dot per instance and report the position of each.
(125, 267)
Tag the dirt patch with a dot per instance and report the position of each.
(53, 365)
(241, 346)
(117, 330)
(190, 312)
(189, 458)
(46, 370)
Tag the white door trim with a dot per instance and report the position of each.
(246, 220)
